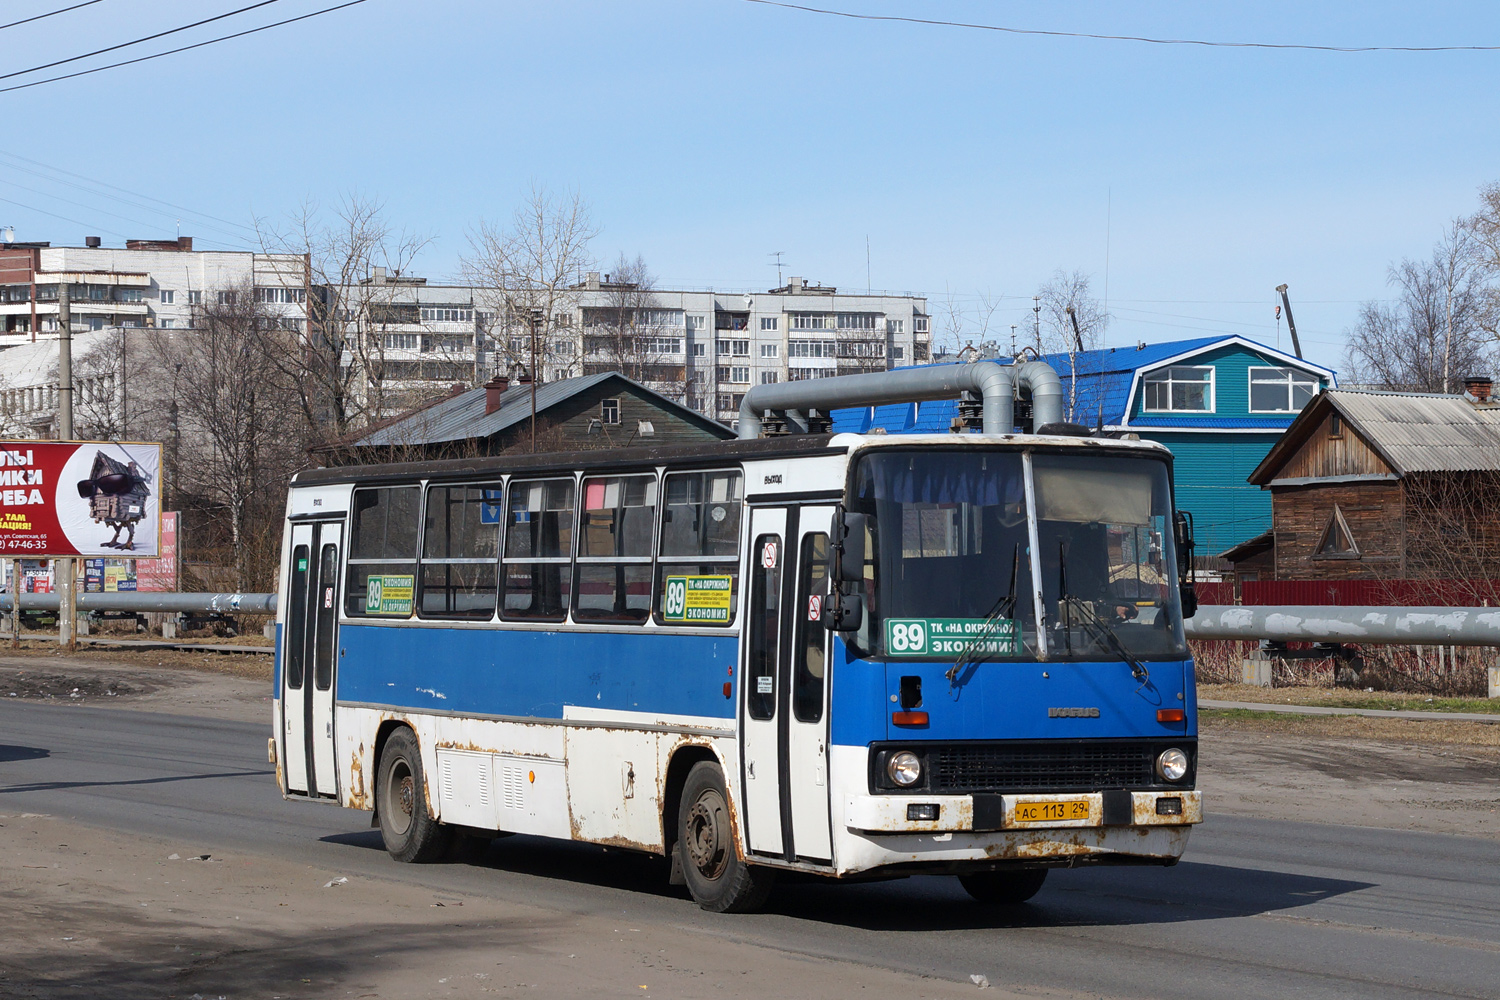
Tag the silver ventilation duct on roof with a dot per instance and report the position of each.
(994, 383)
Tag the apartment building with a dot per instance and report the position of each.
(704, 348)
(146, 283)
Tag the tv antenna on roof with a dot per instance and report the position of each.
(777, 254)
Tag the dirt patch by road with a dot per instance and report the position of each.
(1346, 698)
(219, 685)
(93, 914)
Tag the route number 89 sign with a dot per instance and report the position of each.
(951, 637)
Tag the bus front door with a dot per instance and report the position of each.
(784, 709)
(309, 649)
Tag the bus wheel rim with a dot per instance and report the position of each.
(404, 795)
(707, 845)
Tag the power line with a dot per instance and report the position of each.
(1133, 38)
(147, 38)
(185, 48)
(50, 13)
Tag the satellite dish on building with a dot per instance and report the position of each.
(8, 234)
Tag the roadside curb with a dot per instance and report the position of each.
(1374, 713)
(188, 646)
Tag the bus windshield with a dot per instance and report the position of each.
(950, 568)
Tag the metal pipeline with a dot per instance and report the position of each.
(223, 604)
(995, 384)
(1389, 626)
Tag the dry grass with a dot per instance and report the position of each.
(1347, 698)
(256, 666)
(1405, 732)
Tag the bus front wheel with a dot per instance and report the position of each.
(1004, 888)
(409, 833)
(715, 874)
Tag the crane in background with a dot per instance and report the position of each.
(1286, 304)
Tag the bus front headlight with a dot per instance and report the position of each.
(904, 768)
(1172, 765)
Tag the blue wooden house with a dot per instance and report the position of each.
(1219, 403)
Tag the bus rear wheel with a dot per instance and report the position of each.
(1004, 888)
(409, 833)
(717, 878)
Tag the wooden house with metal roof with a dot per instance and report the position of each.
(1382, 485)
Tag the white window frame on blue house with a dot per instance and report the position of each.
(1292, 378)
(1164, 376)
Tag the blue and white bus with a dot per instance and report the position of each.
(847, 655)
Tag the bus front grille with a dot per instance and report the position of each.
(1046, 766)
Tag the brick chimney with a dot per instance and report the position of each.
(493, 390)
(1478, 388)
(524, 378)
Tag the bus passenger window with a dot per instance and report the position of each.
(765, 628)
(382, 552)
(459, 551)
(614, 550)
(328, 570)
(808, 670)
(698, 567)
(538, 550)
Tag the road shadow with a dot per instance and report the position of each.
(9, 752)
(1080, 897)
(53, 786)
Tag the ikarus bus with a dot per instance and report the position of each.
(845, 655)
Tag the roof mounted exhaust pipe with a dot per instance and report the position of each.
(995, 384)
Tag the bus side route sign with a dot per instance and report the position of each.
(951, 637)
(695, 599)
(388, 595)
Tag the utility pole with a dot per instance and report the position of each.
(1036, 311)
(62, 569)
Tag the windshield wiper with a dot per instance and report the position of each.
(1003, 609)
(1096, 626)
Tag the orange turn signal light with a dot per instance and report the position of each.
(1170, 714)
(909, 718)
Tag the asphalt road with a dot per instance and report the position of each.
(1258, 908)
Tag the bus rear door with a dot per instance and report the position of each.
(309, 649)
(784, 709)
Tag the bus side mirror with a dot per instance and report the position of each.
(849, 563)
(1182, 522)
(843, 613)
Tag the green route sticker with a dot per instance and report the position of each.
(388, 595)
(693, 599)
(951, 637)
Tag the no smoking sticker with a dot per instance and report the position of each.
(814, 607)
(768, 555)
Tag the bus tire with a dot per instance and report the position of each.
(1004, 888)
(718, 879)
(409, 833)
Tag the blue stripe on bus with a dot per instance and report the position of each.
(498, 671)
(276, 666)
(1010, 701)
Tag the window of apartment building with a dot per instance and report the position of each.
(609, 411)
(166, 324)
(700, 350)
(1181, 388)
(767, 378)
(895, 326)
(697, 321)
(658, 317)
(810, 349)
(15, 293)
(857, 321)
(739, 373)
(129, 295)
(723, 373)
(898, 353)
(811, 321)
(96, 322)
(735, 348)
(280, 296)
(434, 314)
(166, 296)
(446, 343)
(862, 349)
(804, 374)
(919, 352)
(403, 341)
(563, 320)
(770, 350)
(769, 322)
(226, 298)
(661, 345)
(919, 324)
(195, 298)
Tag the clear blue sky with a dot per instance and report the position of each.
(709, 133)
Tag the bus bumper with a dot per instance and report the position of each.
(879, 833)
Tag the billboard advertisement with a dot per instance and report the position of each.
(80, 498)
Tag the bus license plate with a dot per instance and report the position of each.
(1052, 812)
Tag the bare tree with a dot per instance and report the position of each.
(970, 326)
(338, 368)
(1433, 328)
(233, 393)
(1072, 321)
(532, 267)
(632, 334)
